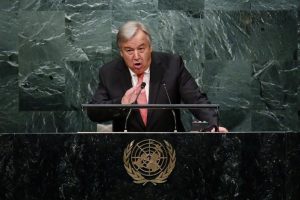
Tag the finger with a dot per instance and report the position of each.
(126, 99)
(223, 129)
(130, 91)
(135, 94)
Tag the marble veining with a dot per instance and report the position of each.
(243, 54)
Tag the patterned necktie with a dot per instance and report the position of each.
(142, 99)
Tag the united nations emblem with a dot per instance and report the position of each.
(149, 161)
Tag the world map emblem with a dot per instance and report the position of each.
(149, 161)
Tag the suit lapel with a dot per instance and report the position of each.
(156, 75)
(125, 77)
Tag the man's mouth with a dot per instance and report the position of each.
(137, 65)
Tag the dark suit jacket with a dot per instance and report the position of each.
(115, 80)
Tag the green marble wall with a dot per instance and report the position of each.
(242, 53)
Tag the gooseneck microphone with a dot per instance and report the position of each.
(135, 102)
(173, 112)
(143, 85)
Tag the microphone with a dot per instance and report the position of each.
(135, 102)
(173, 112)
(142, 87)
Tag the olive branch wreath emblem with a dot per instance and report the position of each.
(138, 177)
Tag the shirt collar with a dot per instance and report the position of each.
(133, 74)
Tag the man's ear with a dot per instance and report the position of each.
(121, 53)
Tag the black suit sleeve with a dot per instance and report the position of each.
(102, 96)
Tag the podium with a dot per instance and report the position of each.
(129, 107)
(240, 165)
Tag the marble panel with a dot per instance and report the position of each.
(266, 5)
(9, 100)
(288, 74)
(51, 48)
(298, 119)
(194, 5)
(29, 122)
(8, 31)
(81, 81)
(274, 120)
(236, 119)
(13, 121)
(43, 88)
(298, 106)
(227, 5)
(88, 34)
(41, 53)
(78, 121)
(135, 5)
(298, 34)
(181, 32)
(227, 35)
(81, 5)
(41, 38)
(274, 5)
(9, 5)
(275, 84)
(41, 5)
(228, 84)
(9, 87)
(298, 37)
(45, 122)
(273, 35)
(252, 35)
(41, 25)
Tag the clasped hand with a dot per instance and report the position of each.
(131, 95)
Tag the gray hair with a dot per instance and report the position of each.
(129, 29)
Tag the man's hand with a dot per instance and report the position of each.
(131, 95)
(221, 130)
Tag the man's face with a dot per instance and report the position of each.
(136, 52)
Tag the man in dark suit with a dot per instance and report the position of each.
(121, 80)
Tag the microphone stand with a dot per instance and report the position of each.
(173, 112)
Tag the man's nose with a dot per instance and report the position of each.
(136, 54)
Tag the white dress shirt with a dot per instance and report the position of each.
(146, 79)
